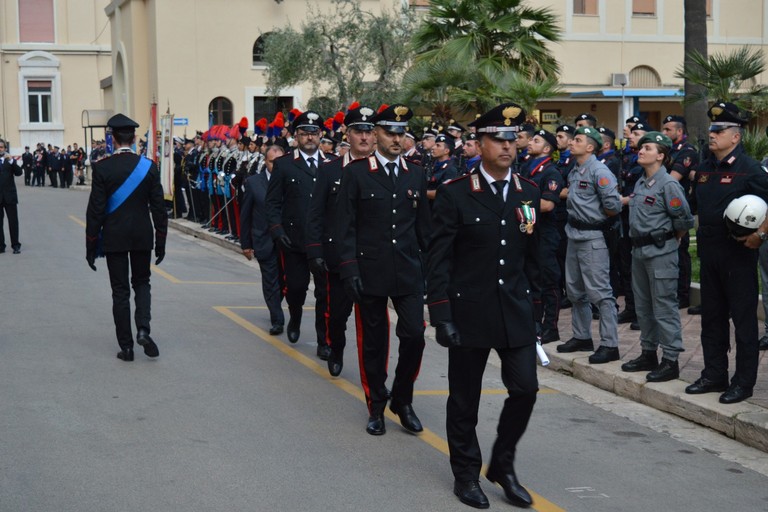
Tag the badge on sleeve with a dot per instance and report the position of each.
(552, 185)
(603, 182)
(675, 203)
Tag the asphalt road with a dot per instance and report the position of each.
(229, 418)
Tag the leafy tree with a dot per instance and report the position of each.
(347, 54)
(493, 34)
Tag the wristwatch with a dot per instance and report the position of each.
(763, 236)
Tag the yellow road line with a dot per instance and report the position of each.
(540, 503)
(72, 217)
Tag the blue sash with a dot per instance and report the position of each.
(129, 185)
(121, 194)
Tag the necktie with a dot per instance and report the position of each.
(312, 166)
(392, 166)
(499, 186)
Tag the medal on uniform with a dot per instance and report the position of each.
(527, 217)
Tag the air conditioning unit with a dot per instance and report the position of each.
(619, 79)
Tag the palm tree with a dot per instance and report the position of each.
(493, 34)
(723, 75)
(695, 41)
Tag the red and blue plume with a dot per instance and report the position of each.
(353, 106)
(279, 122)
(271, 130)
(243, 124)
(338, 120)
(205, 135)
(293, 114)
(234, 132)
(261, 126)
(329, 123)
(382, 108)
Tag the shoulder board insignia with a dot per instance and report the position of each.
(457, 178)
(373, 165)
(296, 154)
(403, 164)
(516, 179)
(476, 183)
(526, 180)
(731, 160)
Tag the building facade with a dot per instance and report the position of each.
(54, 55)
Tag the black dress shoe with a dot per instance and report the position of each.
(550, 335)
(376, 425)
(335, 364)
(683, 303)
(514, 492)
(626, 316)
(703, 385)
(667, 370)
(471, 494)
(276, 329)
(645, 362)
(293, 329)
(604, 355)
(763, 343)
(634, 326)
(323, 352)
(566, 304)
(143, 339)
(694, 310)
(735, 394)
(126, 354)
(16, 249)
(576, 345)
(408, 418)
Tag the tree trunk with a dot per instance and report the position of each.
(696, 39)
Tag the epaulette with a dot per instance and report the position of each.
(456, 179)
(530, 182)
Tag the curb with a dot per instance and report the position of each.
(744, 422)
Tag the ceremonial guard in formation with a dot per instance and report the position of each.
(684, 160)
(287, 203)
(659, 216)
(9, 199)
(729, 286)
(321, 233)
(126, 189)
(443, 166)
(383, 228)
(486, 224)
(593, 201)
(542, 171)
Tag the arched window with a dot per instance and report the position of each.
(258, 49)
(220, 110)
(644, 77)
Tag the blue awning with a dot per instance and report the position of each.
(630, 93)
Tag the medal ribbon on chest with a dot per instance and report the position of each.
(527, 217)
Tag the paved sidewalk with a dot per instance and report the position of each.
(746, 422)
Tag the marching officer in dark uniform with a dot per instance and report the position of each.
(383, 227)
(126, 189)
(321, 239)
(9, 199)
(487, 225)
(542, 171)
(684, 162)
(287, 203)
(728, 266)
(443, 165)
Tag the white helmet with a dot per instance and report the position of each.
(745, 214)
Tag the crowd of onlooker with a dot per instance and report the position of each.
(63, 167)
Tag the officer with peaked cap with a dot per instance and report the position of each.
(728, 266)
(659, 216)
(443, 167)
(320, 237)
(684, 160)
(487, 224)
(287, 203)
(593, 203)
(383, 227)
(126, 190)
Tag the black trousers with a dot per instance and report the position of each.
(27, 175)
(465, 379)
(728, 288)
(550, 280)
(38, 177)
(13, 224)
(372, 318)
(119, 264)
(271, 288)
(684, 270)
(296, 277)
(337, 314)
(53, 176)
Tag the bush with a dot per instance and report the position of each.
(756, 143)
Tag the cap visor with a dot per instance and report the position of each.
(505, 135)
(308, 128)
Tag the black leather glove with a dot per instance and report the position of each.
(447, 335)
(90, 257)
(354, 288)
(284, 242)
(317, 266)
(159, 254)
